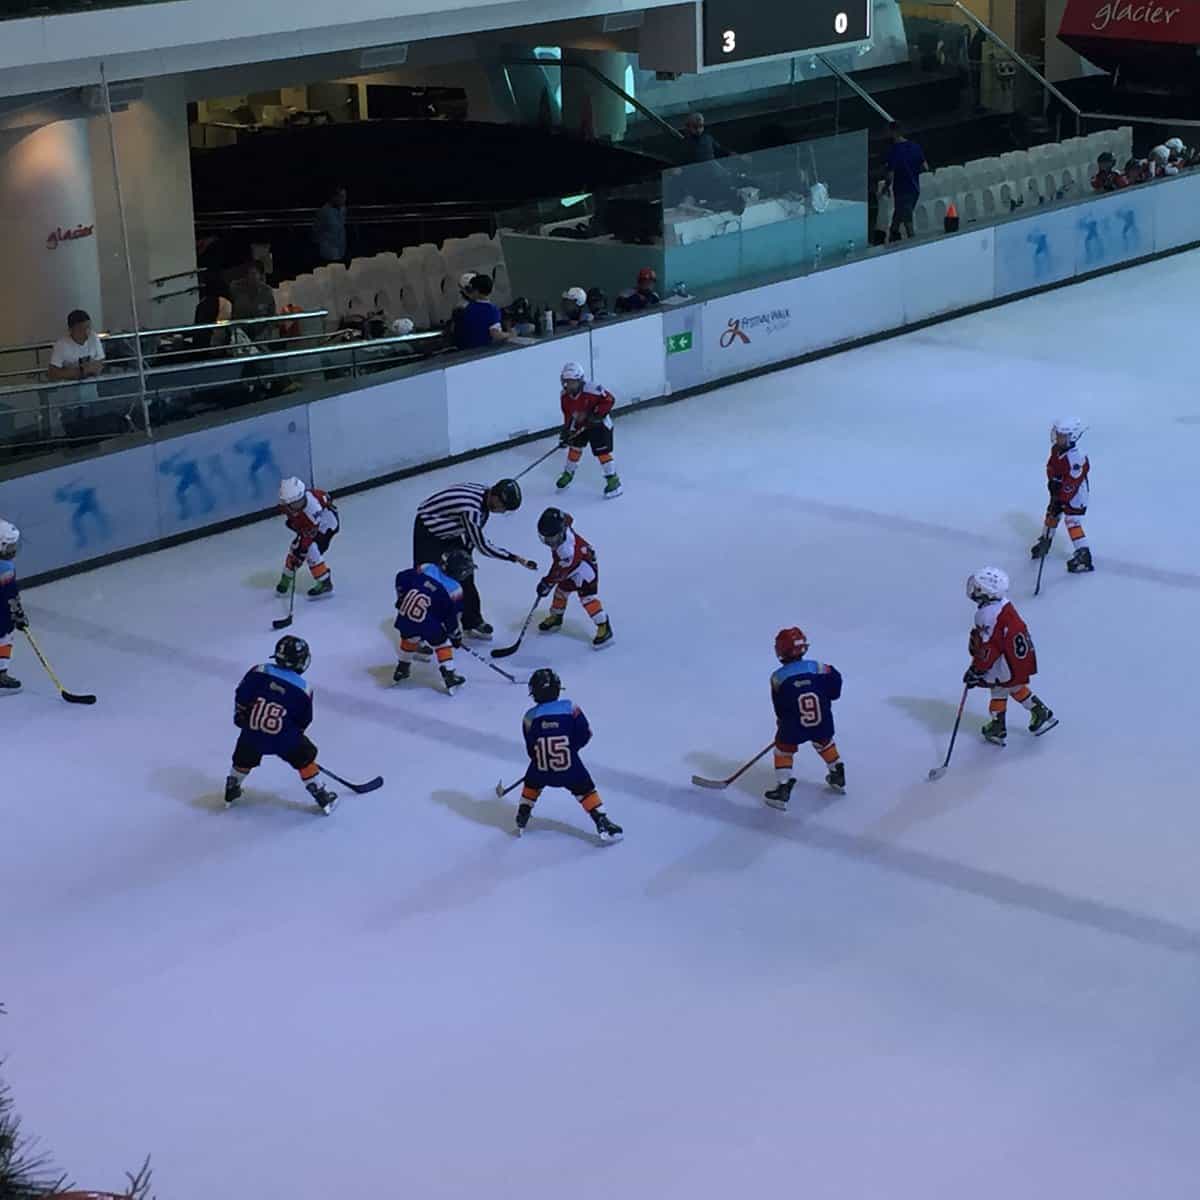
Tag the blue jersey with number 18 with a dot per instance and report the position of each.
(803, 693)
(273, 707)
(555, 732)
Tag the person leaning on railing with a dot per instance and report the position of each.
(79, 354)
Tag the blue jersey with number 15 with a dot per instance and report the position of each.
(803, 694)
(555, 732)
(273, 707)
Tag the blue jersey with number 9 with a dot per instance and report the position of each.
(273, 707)
(555, 732)
(803, 694)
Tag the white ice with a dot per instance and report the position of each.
(985, 986)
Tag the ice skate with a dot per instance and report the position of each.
(323, 587)
(481, 632)
(326, 800)
(452, 679)
(1041, 720)
(608, 830)
(996, 730)
(612, 487)
(284, 585)
(233, 789)
(836, 778)
(402, 672)
(8, 685)
(552, 624)
(780, 794)
(604, 636)
(1080, 561)
(564, 480)
(1040, 548)
(524, 811)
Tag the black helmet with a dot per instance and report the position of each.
(544, 685)
(552, 526)
(595, 295)
(292, 654)
(508, 492)
(458, 564)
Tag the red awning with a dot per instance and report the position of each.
(1133, 34)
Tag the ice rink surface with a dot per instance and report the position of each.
(985, 986)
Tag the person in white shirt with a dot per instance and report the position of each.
(79, 355)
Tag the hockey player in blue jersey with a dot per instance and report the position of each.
(12, 615)
(273, 708)
(429, 602)
(802, 692)
(555, 731)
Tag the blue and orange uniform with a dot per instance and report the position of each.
(273, 708)
(428, 613)
(802, 693)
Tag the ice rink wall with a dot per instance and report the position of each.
(138, 498)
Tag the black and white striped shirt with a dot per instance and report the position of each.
(459, 513)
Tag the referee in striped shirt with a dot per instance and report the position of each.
(453, 519)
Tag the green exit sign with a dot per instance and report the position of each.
(677, 343)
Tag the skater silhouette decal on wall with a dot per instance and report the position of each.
(264, 472)
(1043, 266)
(89, 523)
(193, 497)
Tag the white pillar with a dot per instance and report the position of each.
(45, 186)
(586, 101)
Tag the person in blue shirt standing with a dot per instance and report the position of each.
(802, 692)
(905, 162)
(429, 603)
(555, 731)
(273, 708)
(479, 324)
(12, 615)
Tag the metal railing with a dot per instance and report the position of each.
(841, 77)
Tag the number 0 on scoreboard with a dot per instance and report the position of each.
(737, 31)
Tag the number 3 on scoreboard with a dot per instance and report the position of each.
(729, 41)
(552, 753)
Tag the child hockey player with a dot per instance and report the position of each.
(312, 516)
(572, 569)
(802, 691)
(12, 615)
(273, 708)
(555, 731)
(586, 422)
(429, 601)
(1002, 656)
(1067, 472)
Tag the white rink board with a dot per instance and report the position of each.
(940, 277)
(630, 359)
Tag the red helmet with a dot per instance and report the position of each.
(647, 275)
(790, 645)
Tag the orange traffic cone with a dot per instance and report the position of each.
(950, 224)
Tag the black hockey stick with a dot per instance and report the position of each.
(553, 450)
(938, 772)
(718, 784)
(501, 790)
(284, 622)
(1042, 563)
(69, 697)
(372, 785)
(492, 666)
(507, 650)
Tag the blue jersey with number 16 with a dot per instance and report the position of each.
(428, 604)
(273, 707)
(803, 693)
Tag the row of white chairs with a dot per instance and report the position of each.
(421, 283)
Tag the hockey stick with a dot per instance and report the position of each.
(492, 665)
(284, 622)
(372, 785)
(69, 697)
(718, 784)
(938, 772)
(501, 790)
(1042, 563)
(507, 650)
(553, 450)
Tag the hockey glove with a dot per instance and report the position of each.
(241, 714)
(456, 638)
(17, 613)
(974, 678)
(323, 540)
(544, 588)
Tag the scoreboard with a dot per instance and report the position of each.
(738, 31)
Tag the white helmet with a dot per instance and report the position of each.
(10, 537)
(576, 295)
(573, 371)
(1161, 153)
(465, 280)
(988, 583)
(1175, 144)
(402, 326)
(1069, 427)
(292, 491)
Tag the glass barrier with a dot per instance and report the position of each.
(14, 9)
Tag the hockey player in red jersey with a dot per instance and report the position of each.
(1002, 656)
(1067, 472)
(312, 516)
(586, 422)
(573, 568)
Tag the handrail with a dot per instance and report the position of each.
(176, 275)
(600, 77)
(860, 92)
